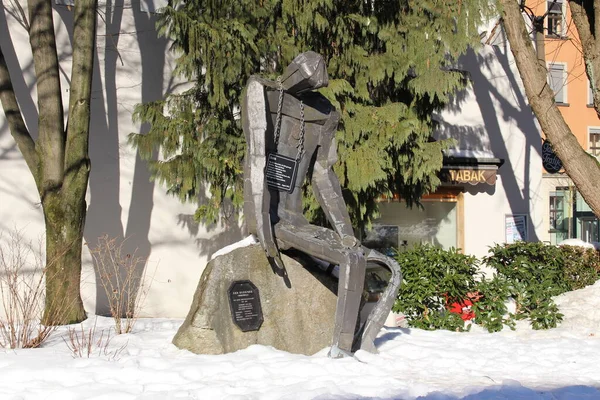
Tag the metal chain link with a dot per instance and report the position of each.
(279, 107)
(300, 145)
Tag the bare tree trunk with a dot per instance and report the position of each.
(59, 159)
(64, 230)
(581, 167)
(584, 12)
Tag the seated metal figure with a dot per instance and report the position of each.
(290, 133)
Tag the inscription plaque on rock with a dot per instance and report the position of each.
(244, 303)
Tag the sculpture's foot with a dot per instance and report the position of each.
(336, 352)
(368, 345)
(378, 315)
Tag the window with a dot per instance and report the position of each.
(594, 142)
(557, 80)
(589, 229)
(557, 210)
(587, 226)
(556, 21)
(590, 98)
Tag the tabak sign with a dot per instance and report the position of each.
(471, 176)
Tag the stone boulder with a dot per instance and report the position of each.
(298, 311)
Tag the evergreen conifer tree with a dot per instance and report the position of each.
(390, 65)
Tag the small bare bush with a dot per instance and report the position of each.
(90, 342)
(121, 274)
(22, 277)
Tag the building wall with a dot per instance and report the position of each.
(132, 66)
(567, 50)
(493, 116)
(577, 112)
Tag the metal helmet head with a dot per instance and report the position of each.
(306, 72)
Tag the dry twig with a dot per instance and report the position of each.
(122, 276)
(87, 343)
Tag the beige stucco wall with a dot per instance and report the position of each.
(493, 116)
(122, 202)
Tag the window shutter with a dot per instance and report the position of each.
(557, 81)
(594, 141)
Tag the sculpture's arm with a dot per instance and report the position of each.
(329, 192)
(257, 201)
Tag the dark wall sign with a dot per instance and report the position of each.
(244, 303)
(550, 160)
(281, 172)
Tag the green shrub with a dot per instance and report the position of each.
(581, 266)
(536, 272)
(491, 311)
(433, 277)
(529, 273)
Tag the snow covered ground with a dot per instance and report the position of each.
(561, 363)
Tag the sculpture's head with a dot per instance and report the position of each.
(306, 72)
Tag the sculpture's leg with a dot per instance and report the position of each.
(379, 314)
(326, 245)
(350, 288)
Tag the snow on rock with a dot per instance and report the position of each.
(248, 241)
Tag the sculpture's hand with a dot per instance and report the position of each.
(270, 248)
(350, 242)
(272, 251)
(267, 240)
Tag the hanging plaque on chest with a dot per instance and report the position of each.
(281, 171)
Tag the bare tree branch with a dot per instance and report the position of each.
(589, 44)
(51, 140)
(77, 159)
(21, 18)
(581, 167)
(17, 126)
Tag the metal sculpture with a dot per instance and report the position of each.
(290, 134)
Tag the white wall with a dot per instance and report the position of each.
(131, 67)
(493, 115)
(122, 202)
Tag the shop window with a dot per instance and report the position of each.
(586, 224)
(402, 227)
(383, 238)
(556, 20)
(559, 214)
(589, 229)
(557, 211)
(594, 141)
(557, 80)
